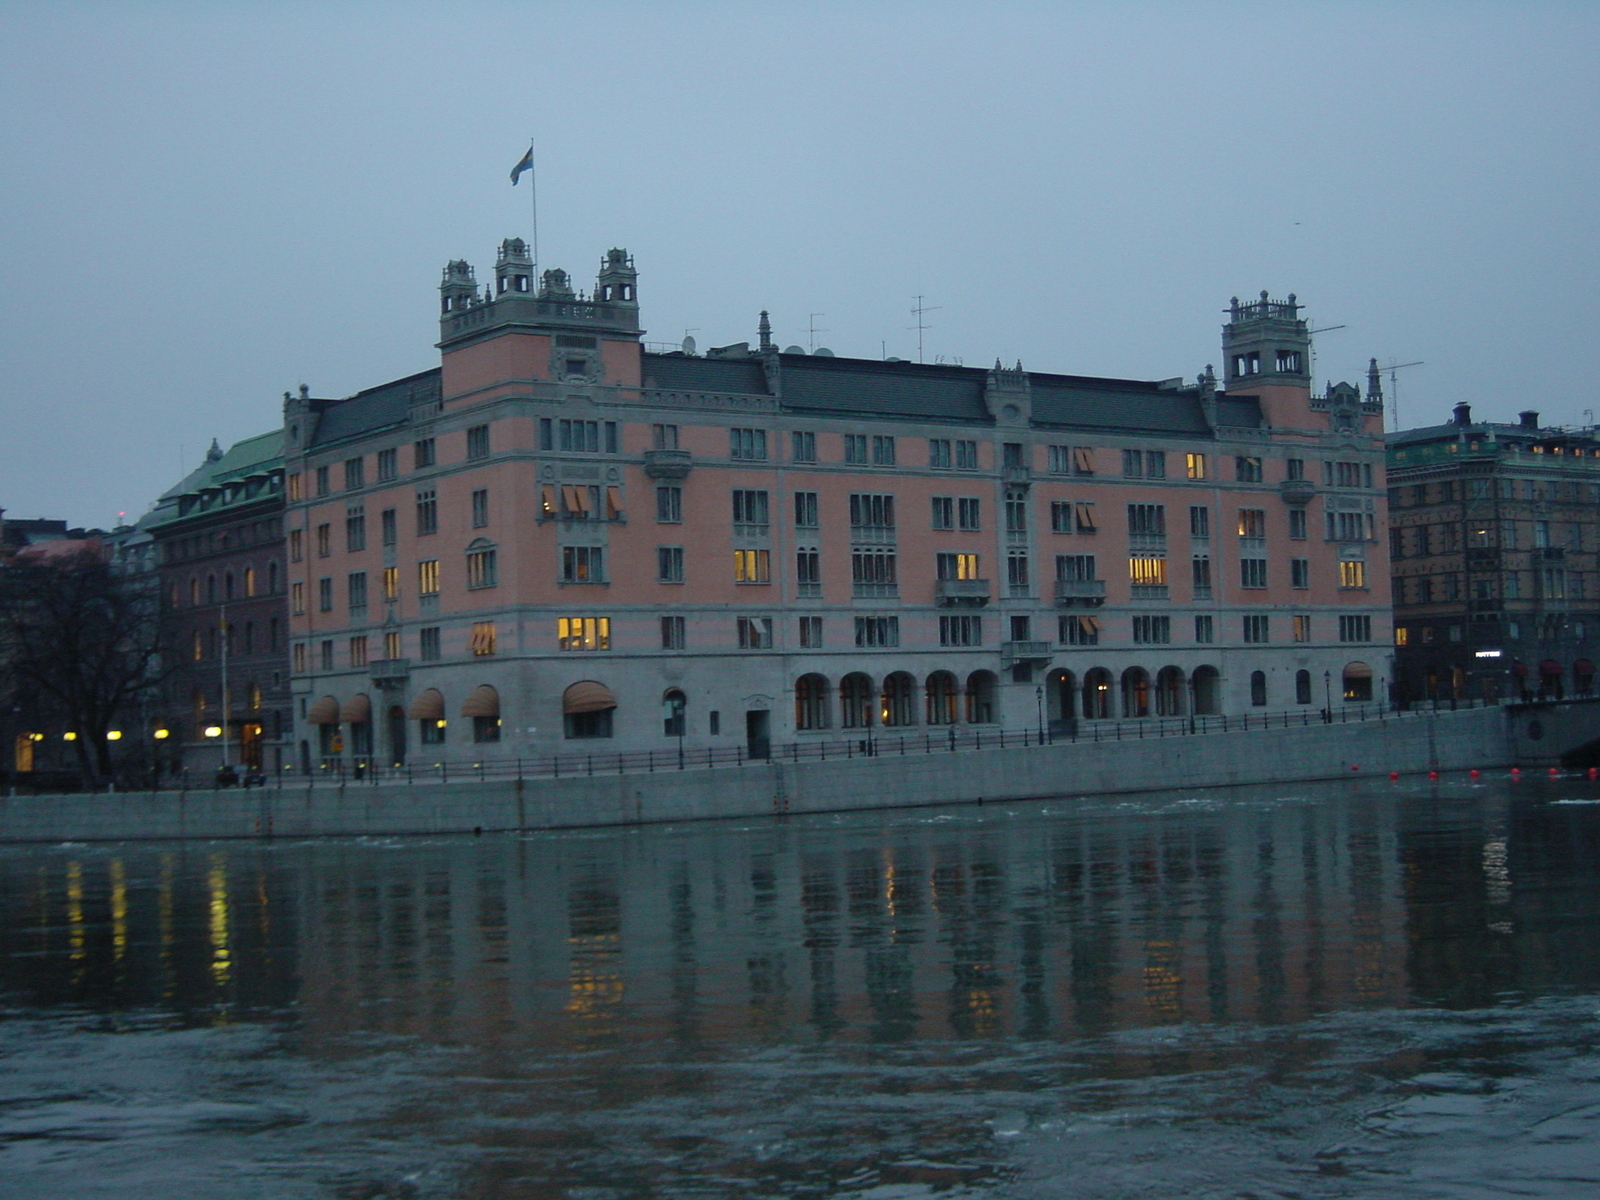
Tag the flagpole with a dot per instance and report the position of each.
(533, 195)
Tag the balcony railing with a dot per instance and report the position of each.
(961, 591)
(390, 670)
(667, 464)
(1080, 591)
(1025, 651)
(1297, 491)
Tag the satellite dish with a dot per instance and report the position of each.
(688, 343)
(794, 350)
(823, 352)
(899, 360)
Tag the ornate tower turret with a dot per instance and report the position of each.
(459, 288)
(1266, 342)
(618, 282)
(513, 268)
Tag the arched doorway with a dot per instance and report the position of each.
(1206, 687)
(397, 735)
(980, 698)
(1061, 698)
(1135, 692)
(1302, 686)
(1357, 679)
(587, 710)
(482, 707)
(1169, 692)
(1551, 676)
(811, 702)
(1097, 694)
(940, 696)
(857, 699)
(1258, 688)
(899, 705)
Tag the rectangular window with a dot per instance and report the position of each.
(583, 564)
(296, 545)
(482, 641)
(387, 523)
(1147, 572)
(1016, 514)
(1252, 572)
(422, 453)
(855, 447)
(956, 566)
(1083, 516)
(482, 571)
(873, 573)
(748, 444)
(669, 564)
(1352, 574)
(1061, 516)
(1256, 628)
(883, 450)
(1300, 572)
(391, 583)
(1152, 631)
(356, 591)
(428, 577)
(299, 658)
(870, 512)
(808, 571)
(1195, 465)
(803, 446)
(752, 566)
(961, 631)
(755, 633)
(750, 513)
(665, 437)
(1349, 526)
(1302, 627)
(1018, 575)
(480, 507)
(325, 594)
(1247, 468)
(296, 487)
(583, 437)
(1147, 520)
(968, 513)
(940, 455)
(324, 540)
(478, 441)
(1355, 629)
(427, 512)
(355, 473)
(358, 651)
(326, 649)
(1133, 464)
(877, 631)
(355, 529)
(1075, 568)
(672, 634)
(1205, 629)
(1199, 521)
(1295, 468)
(388, 465)
(1297, 524)
(1058, 460)
(583, 633)
(811, 633)
(1200, 576)
(428, 643)
(297, 598)
(669, 505)
(1253, 524)
(966, 456)
(322, 481)
(805, 510)
(944, 512)
(1078, 630)
(1155, 464)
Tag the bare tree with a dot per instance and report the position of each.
(83, 642)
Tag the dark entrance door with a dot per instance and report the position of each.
(397, 735)
(757, 736)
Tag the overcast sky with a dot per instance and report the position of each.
(203, 205)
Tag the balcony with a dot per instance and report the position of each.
(956, 593)
(1550, 553)
(1016, 474)
(667, 464)
(1016, 652)
(1091, 592)
(390, 672)
(1297, 491)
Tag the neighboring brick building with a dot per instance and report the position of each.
(562, 536)
(1493, 541)
(219, 541)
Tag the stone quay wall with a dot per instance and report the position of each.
(1445, 741)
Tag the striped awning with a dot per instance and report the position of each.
(483, 702)
(357, 710)
(587, 696)
(428, 706)
(324, 712)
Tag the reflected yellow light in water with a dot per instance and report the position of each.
(75, 937)
(164, 909)
(119, 911)
(221, 953)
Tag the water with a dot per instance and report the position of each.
(1347, 990)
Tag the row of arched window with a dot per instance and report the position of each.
(214, 590)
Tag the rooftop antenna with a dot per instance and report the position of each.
(811, 346)
(917, 311)
(1394, 387)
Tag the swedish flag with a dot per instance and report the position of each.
(525, 163)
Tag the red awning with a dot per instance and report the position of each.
(1550, 667)
(1520, 670)
(324, 712)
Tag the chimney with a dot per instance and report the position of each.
(1529, 419)
(1463, 414)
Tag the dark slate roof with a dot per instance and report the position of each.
(681, 373)
(868, 388)
(1083, 403)
(376, 408)
(1240, 411)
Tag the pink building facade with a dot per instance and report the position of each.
(562, 541)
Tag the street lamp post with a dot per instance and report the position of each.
(1039, 698)
(1327, 697)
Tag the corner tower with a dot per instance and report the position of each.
(1266, 343)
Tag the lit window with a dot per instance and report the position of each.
(583, 633)
(482, 642)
